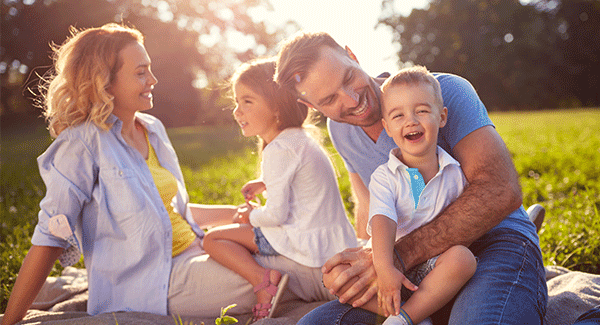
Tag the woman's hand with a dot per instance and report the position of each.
(253, 188)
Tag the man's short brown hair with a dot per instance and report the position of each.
(298, 54)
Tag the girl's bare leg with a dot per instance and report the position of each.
(233, 246)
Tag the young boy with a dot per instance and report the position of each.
(412, 188)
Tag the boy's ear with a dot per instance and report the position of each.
(309, 105)
(351, 54)
(385, 127)
(443, 117)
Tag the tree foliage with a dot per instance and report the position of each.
(540, 55)
(194, 45)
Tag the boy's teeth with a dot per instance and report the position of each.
(413, 135)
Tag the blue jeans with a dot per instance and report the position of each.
(509, 287)
(591, 317)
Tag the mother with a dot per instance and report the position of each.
(115, 193)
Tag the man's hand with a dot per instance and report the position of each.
(356, 280)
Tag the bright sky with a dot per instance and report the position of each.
(349, 22)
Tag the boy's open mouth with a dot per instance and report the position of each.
(413, 135)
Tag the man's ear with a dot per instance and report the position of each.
(309, 105)
(351, 55)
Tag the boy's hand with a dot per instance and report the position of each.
(389, 283)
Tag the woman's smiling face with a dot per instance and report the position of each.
(134, 82)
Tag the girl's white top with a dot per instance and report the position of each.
(304, 218)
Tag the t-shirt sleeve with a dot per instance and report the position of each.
(336, 134)
(382, 199)
(466, 112)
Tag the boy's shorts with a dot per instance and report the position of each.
(417, 274)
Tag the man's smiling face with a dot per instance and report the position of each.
(337, 86)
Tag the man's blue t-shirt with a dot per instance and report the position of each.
(466, 113)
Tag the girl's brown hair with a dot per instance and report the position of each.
(258, 75)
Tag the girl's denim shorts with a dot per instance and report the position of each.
(264, 247)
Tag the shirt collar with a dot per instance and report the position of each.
(117, 124)
(444, 159)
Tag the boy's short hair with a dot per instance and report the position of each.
(413, 76)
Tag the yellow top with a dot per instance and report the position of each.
(183, 236)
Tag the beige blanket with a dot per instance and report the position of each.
(63, 299)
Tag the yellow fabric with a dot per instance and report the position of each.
(166, 183)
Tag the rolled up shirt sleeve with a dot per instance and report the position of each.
(69, 173)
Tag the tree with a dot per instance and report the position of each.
(193, 44)
(578, 23)
(513, 54)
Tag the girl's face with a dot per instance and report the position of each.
(134, 82)
(253, 114)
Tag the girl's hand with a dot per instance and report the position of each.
(243, 213)
(253, 188)
(389, 283)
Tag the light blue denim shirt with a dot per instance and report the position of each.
(104, 188)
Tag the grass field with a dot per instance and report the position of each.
(557, 154)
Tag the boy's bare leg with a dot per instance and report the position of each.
(452, 270)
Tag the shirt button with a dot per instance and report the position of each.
(416, 176)
(120, 173)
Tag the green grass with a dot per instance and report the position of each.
(557, 154)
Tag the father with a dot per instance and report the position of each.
(509, 284)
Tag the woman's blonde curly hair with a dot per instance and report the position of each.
(75, 90)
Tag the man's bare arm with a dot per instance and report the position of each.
(493, 193)
(361, 205)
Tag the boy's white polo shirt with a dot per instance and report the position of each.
(391, 192)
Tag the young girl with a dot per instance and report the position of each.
(303, 218)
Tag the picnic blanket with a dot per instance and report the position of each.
(62, 300)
